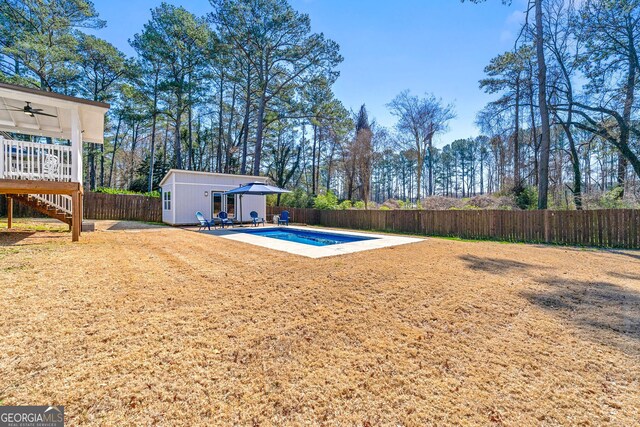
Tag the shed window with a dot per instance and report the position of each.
(166, 197)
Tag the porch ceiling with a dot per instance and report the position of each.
(91, 114)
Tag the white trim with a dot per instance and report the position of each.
(226, 187)
(173, 205)
(76, 147)
(91, 114)
(166, 201)
(34, 160)
(2, 154)
(222, 201)
(213, 174)
(41, 97)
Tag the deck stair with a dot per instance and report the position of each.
(52, 205)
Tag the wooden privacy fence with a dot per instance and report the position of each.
(615, 228)
(122, 207)
(103, 206)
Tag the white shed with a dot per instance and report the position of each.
(186, 192)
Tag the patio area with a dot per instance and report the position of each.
(372, 240)
(157, 325)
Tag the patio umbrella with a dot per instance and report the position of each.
(257, 189)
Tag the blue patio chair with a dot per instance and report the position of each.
(284, 218)
(256, 219)
(203, 222)
(224, 219)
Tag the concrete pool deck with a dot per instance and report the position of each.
(377, 241)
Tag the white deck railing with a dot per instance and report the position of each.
(34, 160)
(61, 202)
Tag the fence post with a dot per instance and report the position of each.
(492, 224)
(547, 226)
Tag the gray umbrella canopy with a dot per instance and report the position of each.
(256, 188)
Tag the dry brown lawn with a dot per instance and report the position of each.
(163, 326)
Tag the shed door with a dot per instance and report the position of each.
(231, 205)
(216, 204)
(223, 202)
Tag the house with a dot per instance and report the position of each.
(186, 192)
(46, 172)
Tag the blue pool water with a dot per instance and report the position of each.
(313, 238)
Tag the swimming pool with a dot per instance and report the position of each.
(312, 238)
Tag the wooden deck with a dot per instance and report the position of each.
(22, 186)
(17, 187)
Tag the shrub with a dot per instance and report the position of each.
(491, 202)
(467, 207)
(327, 201)
(296, 199)
(438, 203)
(612, 199)
(139, 185)
(385, 208)
(108, 190)
(359, 204)
(394, 204)
(526, 197)
(346, 204)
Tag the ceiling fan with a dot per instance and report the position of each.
(29, 110)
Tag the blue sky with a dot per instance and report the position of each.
(438, 46)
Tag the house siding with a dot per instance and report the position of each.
(167, 215)
(188, 195)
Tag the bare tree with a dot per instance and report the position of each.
(611, 31)
(362, 154)
(420, 119)
(565, 47)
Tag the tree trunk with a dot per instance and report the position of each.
(516, 140)
(430, 166)
(153, 133)
(330, 164)
(419, 178)
(92, 166)
(229, 140)
(190, 158)
(189, 126)
(545, 142)
(245, 123)
(575, 160)
(626, 116)
(577, 175)
(313, 161)
(534, 136)
(134, 143)
(115, 147)
(165, 147)
(177, 151)
(220, 127)
(481, 174)
(259, 133)
(102, 165)
(317, 178)
(621, 173)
